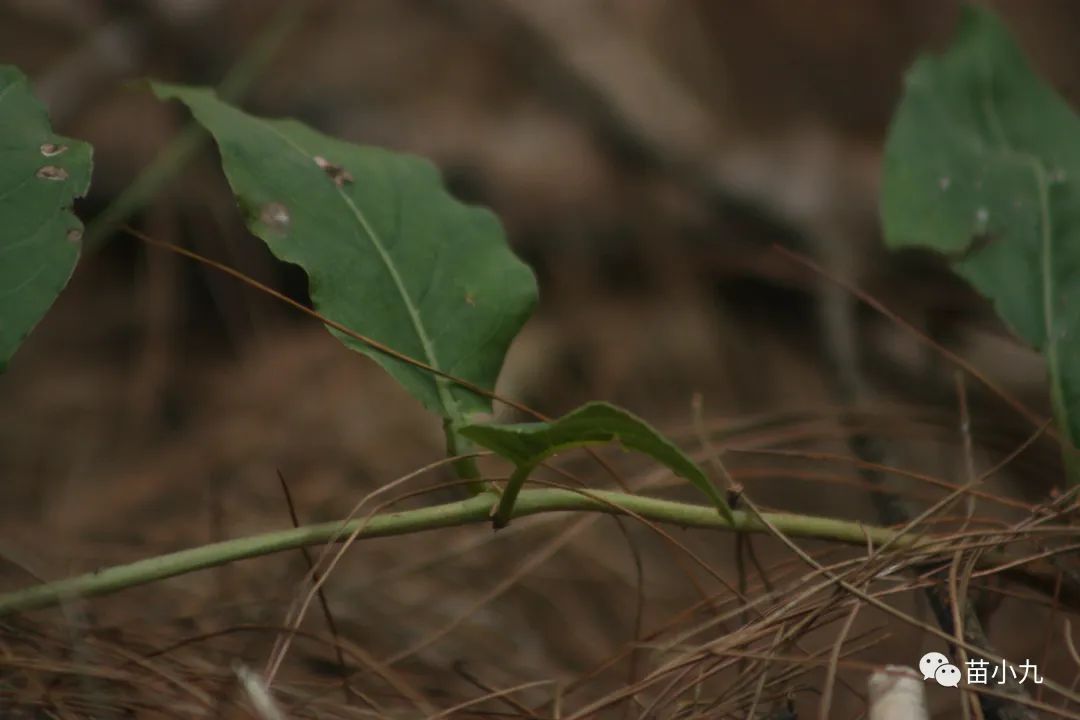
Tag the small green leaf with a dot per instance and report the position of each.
(388, 252)
(528, 444)
(982, 163)
(41, 174)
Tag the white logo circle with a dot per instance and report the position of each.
(947, 675)
(930, 662)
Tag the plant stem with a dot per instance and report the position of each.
(474, 510)
(465, 465)
(505, 510)
(1052, 348)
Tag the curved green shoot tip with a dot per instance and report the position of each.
(529, 444)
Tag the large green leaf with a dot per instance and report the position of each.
(983, 163)
(388, 252)
(41, 174)
(528, 444)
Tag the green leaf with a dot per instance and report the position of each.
(388, 252)
(528, 444)
(982, 163)
(41, 174)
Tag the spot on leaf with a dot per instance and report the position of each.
(52, 172)
(275, 216)
(337, 173)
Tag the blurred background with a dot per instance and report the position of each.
(646, 158)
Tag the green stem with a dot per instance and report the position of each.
(1052, 350)
(465, 465)
(474, 510)
(505, 511)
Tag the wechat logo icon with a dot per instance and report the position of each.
(935, 666)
